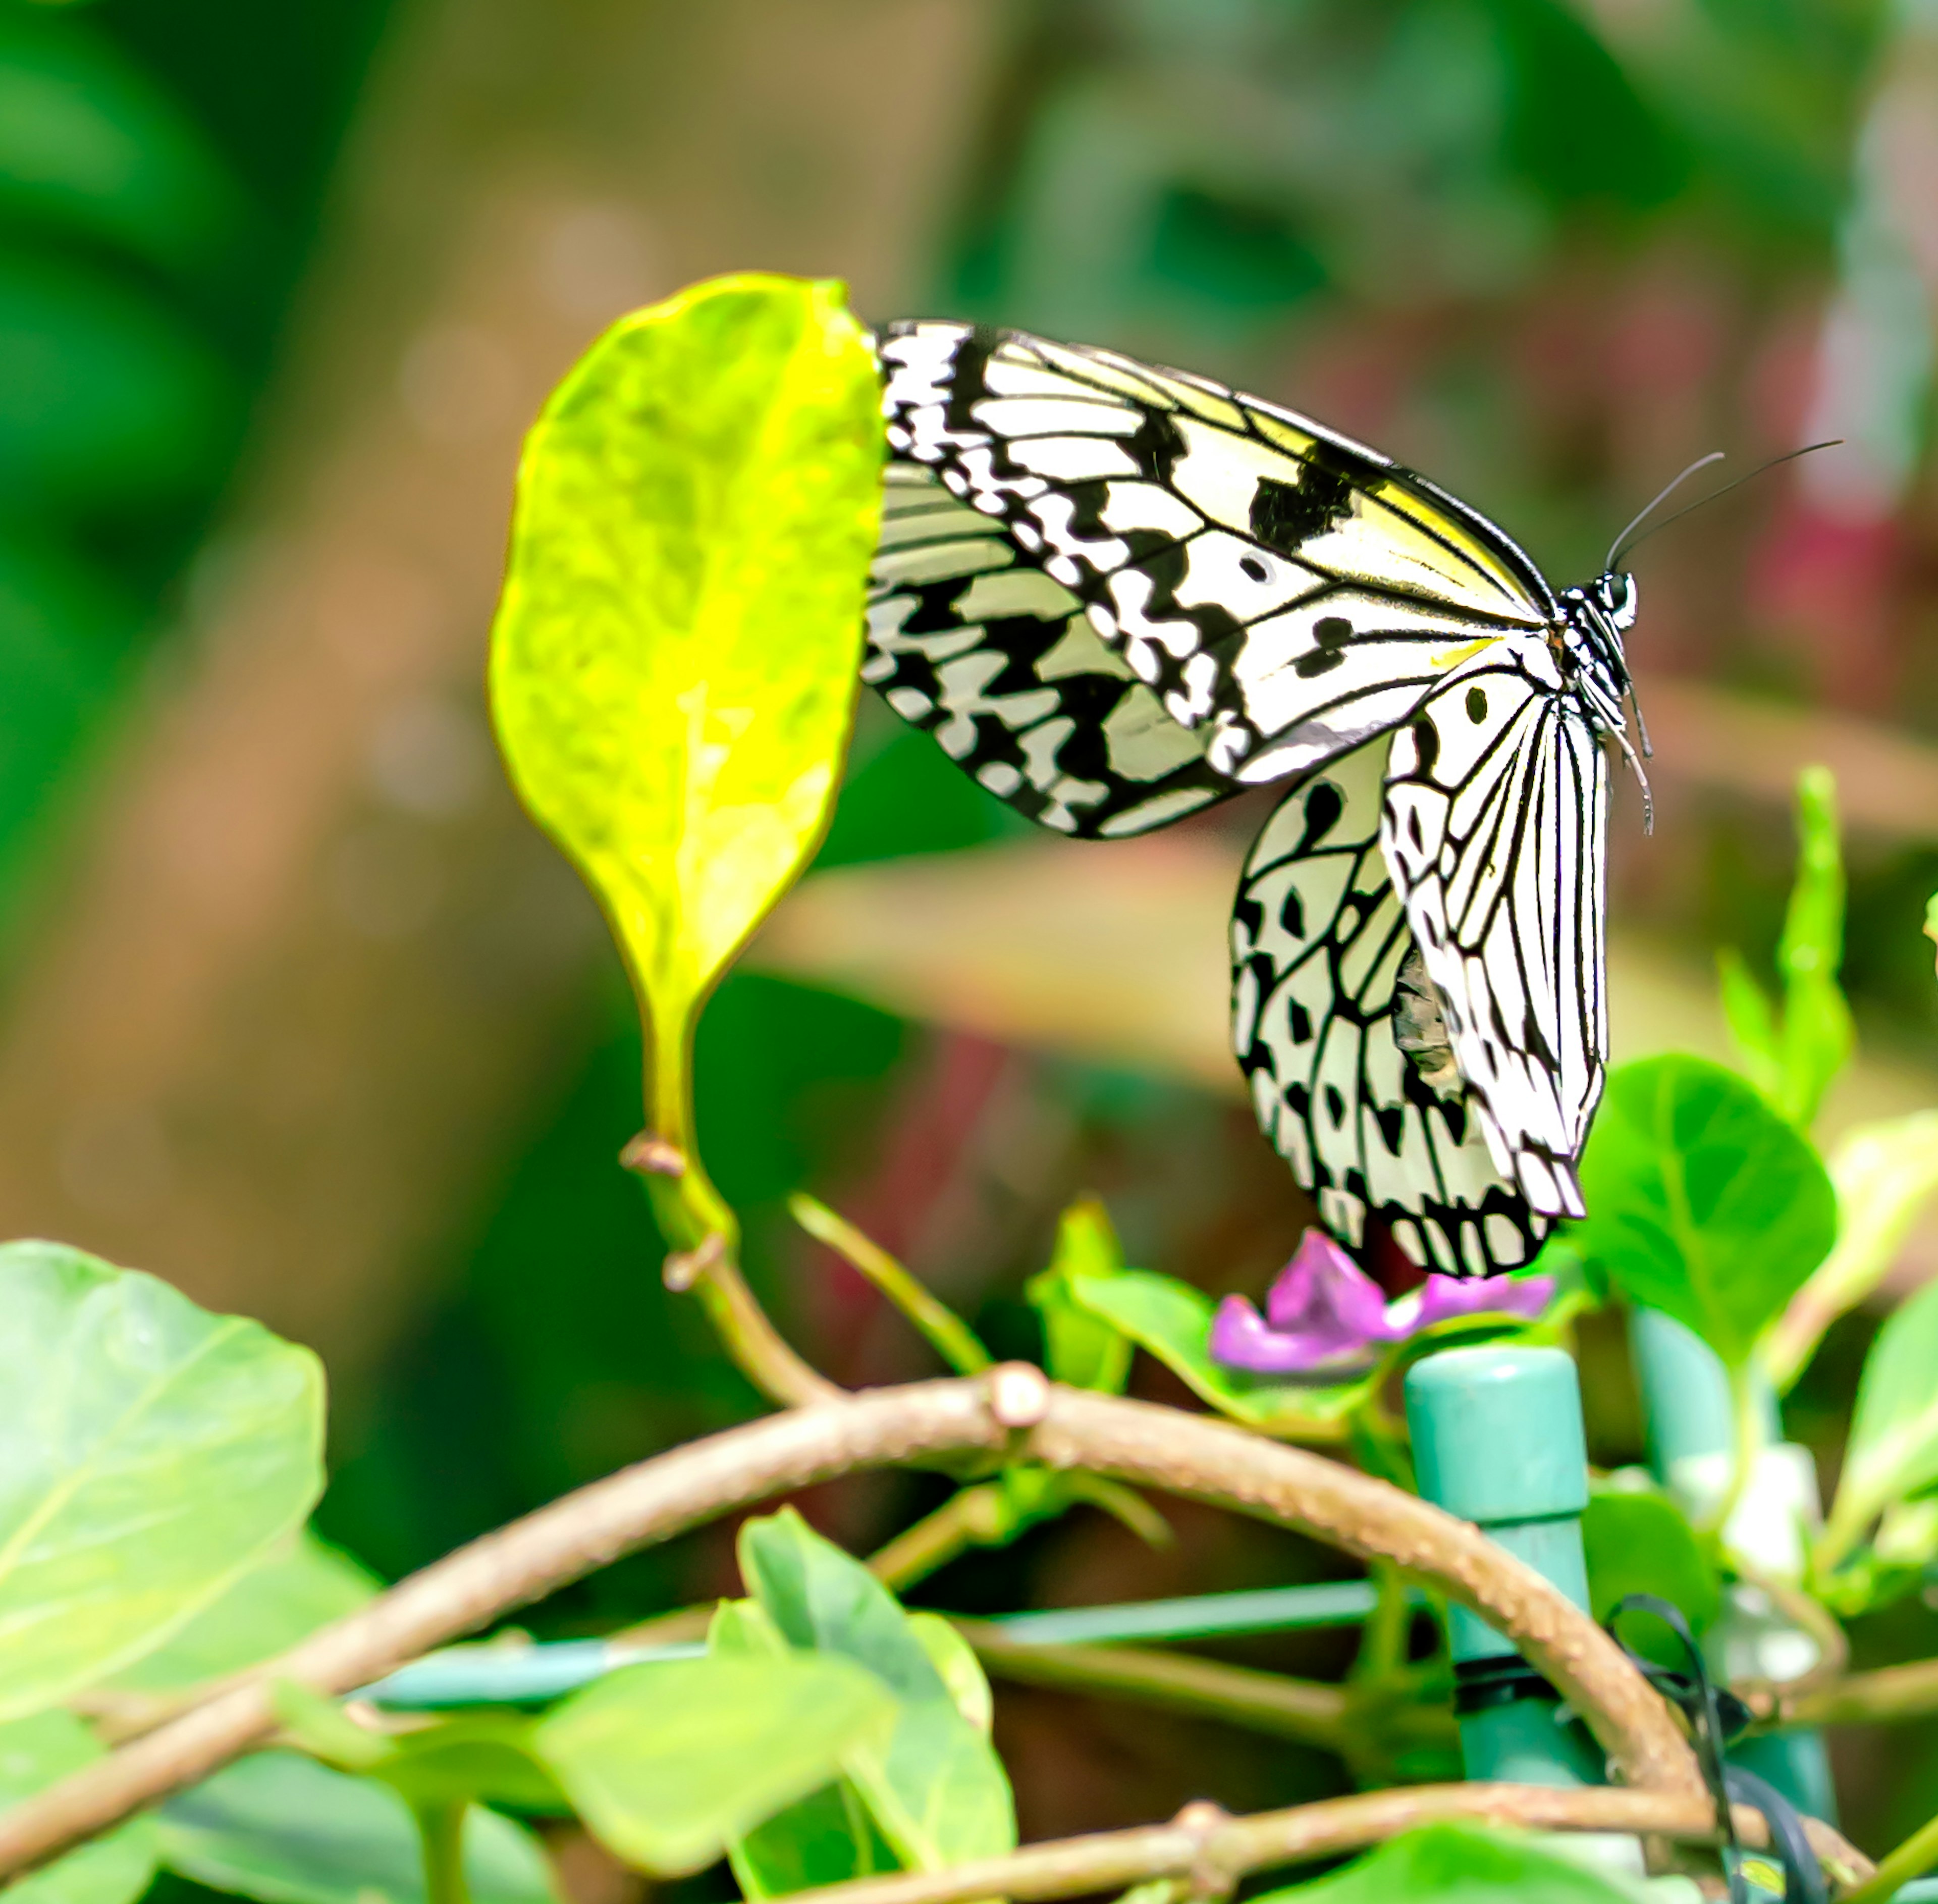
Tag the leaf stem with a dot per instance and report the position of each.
(948, 1335)
(1746, 1434)
(971, 1517)
(440, 1837)
(1912, 1859)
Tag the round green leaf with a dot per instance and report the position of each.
(676, 658)
(1464, 1864)
(304, 1584)
(1702, 1201)
(669, 1762)
(281, 1828)
(1641, 1543)
(151, 1454)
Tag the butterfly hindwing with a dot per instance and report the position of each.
(1495, 808)
(1319, 939)
(1284, 592)
(998, 661)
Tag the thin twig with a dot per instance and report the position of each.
(1217, 1850)
(971, 1517)
(759, 1350)
(948, 1335)
(1774, 1699)
(1261, 1701)
(1014, 1410)
(1890, 1694)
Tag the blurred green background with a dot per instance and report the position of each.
(298, 1011)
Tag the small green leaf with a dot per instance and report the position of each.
(675, 661)
(1080, 1347)
(668, 1763)
(115, 1869)
(1638, 1541)
(1461, 1864)
(1703, 1202)
(955, 1658)
(827, 1838)
(324, 1730)
(151, 1454)
(1751, 1020)
(1817, 1035)
(1884, 1174)
(935, 1787)
(280, 1828)
(1893, 1452)
(1791, 1056)
(487, 1758)
(1172, 1321)
(304, 1584)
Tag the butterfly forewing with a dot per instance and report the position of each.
(1286, 589)
(1318, 938)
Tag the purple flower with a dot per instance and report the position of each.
(1325, 1316)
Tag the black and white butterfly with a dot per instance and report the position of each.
(1117, 594)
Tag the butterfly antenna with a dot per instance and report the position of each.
(1616, 549)
(1702, 502)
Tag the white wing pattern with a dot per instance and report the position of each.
(1495, 807)
(1118, 594)
(1319, 937)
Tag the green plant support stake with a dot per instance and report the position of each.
(1685, 1397)
(1497, 1440)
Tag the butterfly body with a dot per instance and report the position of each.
(1118, 594)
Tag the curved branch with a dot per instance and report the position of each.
(1890, 1693)
(1216, 1850)
(1137, 1441)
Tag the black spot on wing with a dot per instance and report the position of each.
(966, 385)
(1156, 446)
(1286, 514)
(1426, 741)
(1323, 806)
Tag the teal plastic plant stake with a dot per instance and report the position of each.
(1497, 1440)
(1687, 1404)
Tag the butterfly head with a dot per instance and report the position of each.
(1615, 594)
(1595, 619)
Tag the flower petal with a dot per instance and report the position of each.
(1445, 1297)
(1242, 1339)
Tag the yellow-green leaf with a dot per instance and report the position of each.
(675, 660)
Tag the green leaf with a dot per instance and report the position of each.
(1638, 1541)
(1703, 1202)
(323, 1729)
(935, 1785)
(1752, 1022)
(676, 658)
(115, 1869)
(490, 1758)
(955, 1658)
(304, 1584)
(151, 1454)
(1893, 1451)
(1080, 1347)
(1461, 1864)
(1791, 1056)
(668, 1763)
(1172, 1321)
(827, 1838)
(279, 1827)
(1884, 1174)
(1817, 1035)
